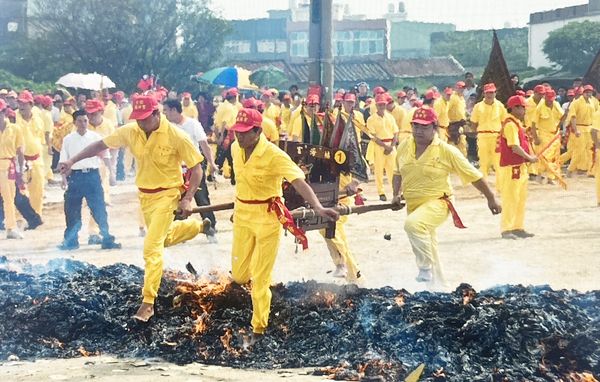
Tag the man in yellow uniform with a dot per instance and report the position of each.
(286, 113)
(44, 108)
(271, 111)
(422, 171)
(513, 174)
(457, 116)
(109, 108)
(544, 127)
(159, 148)
(532, 102)
(486, 118)
(32, 129)
(268, 126)
(384, 130)
(225, 118)
(399, 113)
(11, 166)
(580, 115)
(189, 108)
(440, 106)
(310, 112)
(258, 213)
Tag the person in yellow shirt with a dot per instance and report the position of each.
(189, 108)
(110, 108)
(399, 114)
(271, 111)
(268, 126)
(286, 114)
(457, 116)
(440, 106)
(43, 106)
(532, 103)
(225, 118)
(11, 166)
(384, 131)
(486, 118)
(104, 127)
(257, 216)
(422, 177)
(580, 115)
(32, 128)
(159, 148)
(513, 175)
(310, 112)
(544, 127)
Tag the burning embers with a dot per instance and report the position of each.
(509, 333)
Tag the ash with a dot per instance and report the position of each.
(509, 333)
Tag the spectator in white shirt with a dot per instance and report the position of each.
(83, 181)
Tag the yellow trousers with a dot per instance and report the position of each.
(47, 164)
(252, 257)
(370, 154)
(383, 163)
(486, 150)
(514, 195)
(340, 251)
(162, 232)
(7, 191)
(420, 226)
(581, 159)
(551, 155)
(36, 184)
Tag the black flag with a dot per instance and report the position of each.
(497, 72)
(349, 143)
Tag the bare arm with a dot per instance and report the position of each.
(397, 198)
(185, 204)
(207, 152)
(309, 195)
(484, 188)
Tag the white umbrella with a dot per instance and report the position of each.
(91, 81)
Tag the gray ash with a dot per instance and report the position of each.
(509, 333)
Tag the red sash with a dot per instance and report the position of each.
(32, 157)
(284, 216)
(455, 218)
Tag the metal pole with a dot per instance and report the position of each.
(327, 50)
(314, 43)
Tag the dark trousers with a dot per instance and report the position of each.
(202, 197)
(472, 147)
(121, 165)
(223, 154)
(55, 159)
(84, 185)
(24, 207)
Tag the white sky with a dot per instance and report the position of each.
(465, 14)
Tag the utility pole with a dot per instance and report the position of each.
(320, 47)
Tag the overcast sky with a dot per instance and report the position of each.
(465, 14)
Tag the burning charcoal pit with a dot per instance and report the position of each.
(508, 333)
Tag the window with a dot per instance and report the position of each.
(280, 46)
(265, 46)
(299, 44)
(237, 46)
(358, 43)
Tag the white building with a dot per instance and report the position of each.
(542, 23)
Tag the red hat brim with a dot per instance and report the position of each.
(141, 114)
(241, 127)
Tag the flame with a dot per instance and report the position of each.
(86, 353)
(37, 302)
(326, 297)
(226, 341)
(581, 377)
(468, 296)
(201, 324)
(53, 343)
(400, 299)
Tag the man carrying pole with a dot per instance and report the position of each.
(158, 148)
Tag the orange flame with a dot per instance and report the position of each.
(226, 341)
(400, 300)
(581, 377)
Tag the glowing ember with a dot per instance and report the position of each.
(400, 299)
(226, 341)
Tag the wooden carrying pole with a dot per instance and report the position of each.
(308, 213)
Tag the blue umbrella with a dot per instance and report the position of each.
(226, 76)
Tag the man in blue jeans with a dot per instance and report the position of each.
(83, 181)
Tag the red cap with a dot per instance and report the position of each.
(249, 103)
(489, 88)
(260, 106)
(246, 120)
(401, 94)
(232, 92)
(381, 99)
(143, 106)
(267, 93)
(418, 103)
(588, 88)
(378, 90)
(93, 105)
(312, 99)
(38, 98)
(25, 96)
(516, 101)
(350, 97)
(540, 89)
(571, 92)
(3, 105)
(430, 94)
(186, 95)
(579, 90)
(338, 97)
(46, 101)
(448, 91)
(520, 92)
(424, 116)
(460, 84)
(550, 95)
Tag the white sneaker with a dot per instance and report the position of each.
(14, 234)
(425, 275)
(340, 271)
(142, 232)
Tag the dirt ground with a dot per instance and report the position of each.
(563, 254)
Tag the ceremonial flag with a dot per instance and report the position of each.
(327, 128)
(305, 127)
(315, 134)
(349, 143)
(338, 131)
(497, 72)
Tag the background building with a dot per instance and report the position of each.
(542, 23)
(13, 19)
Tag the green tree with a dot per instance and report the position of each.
(120, 38)
(573, 46)
(472, 48)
